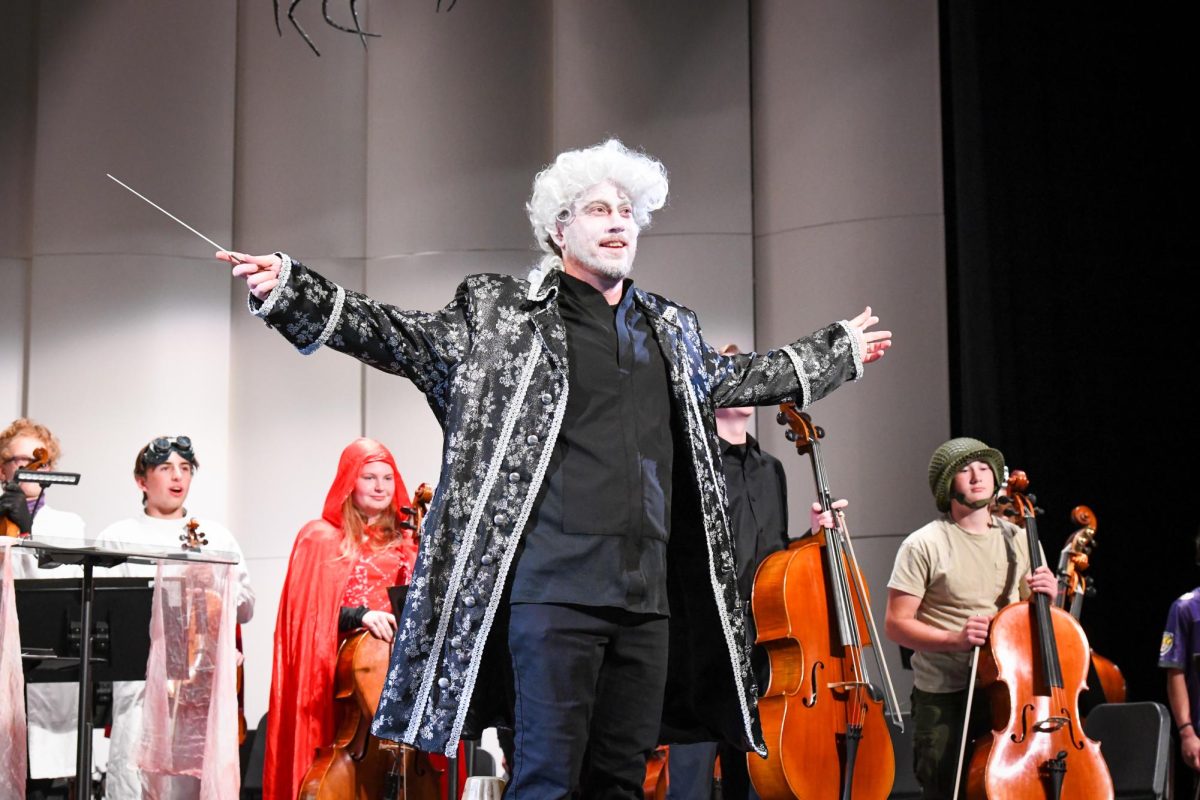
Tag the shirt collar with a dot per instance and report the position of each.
(751, 446)
(584, 294)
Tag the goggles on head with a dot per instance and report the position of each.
(159, 450)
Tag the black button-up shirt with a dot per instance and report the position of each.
(598, 535)
(757, 489)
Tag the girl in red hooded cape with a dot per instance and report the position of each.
(339, 571)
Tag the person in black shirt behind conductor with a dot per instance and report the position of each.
(756, 488)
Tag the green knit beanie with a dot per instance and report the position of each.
(953, 456)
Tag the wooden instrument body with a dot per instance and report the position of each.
(1112, 680)
(1008, 763)
(803, 710)
(356, 764)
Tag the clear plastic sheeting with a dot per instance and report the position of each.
(13, 753)
(190, 719)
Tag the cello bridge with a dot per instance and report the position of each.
(846, 685)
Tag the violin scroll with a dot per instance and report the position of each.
(416, 512)
(192, 537)
(1084, 517)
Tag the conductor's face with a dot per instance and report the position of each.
(601, 236)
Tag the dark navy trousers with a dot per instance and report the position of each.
(589, 694)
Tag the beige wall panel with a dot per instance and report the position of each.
(847, 111)
(848, 211)
(14, 294)
(301, 137)
(876, 554)
(290, 417)
(18, 66)
(122, 349)
(880, 431)
(144, 91)
(710, 274)
(457, 121)
(258, 636)
(671, 78)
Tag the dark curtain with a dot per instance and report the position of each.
(1070, 202)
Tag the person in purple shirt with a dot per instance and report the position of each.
(1178, 655)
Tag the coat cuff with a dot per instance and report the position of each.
(261, 308)
(855, 349)
(279, 310)
(804, 396)
(823, 360)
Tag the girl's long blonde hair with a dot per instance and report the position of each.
(358, 536)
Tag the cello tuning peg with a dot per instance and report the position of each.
(781, 418)
(790, 436)
(820, 431)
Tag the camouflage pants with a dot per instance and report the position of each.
(937, 732)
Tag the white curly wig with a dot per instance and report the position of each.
(558, 186)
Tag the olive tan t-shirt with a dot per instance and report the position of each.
(958, 575)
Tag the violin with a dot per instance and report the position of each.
(192, 539)
(822, 716)
(1033, 668)
(357, 765)
(1073, 588)
(41, 458)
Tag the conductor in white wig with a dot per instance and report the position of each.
(576, 573)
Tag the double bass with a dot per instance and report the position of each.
(1033, 667)
(1073, 587)
(357, 765)
(822, 716)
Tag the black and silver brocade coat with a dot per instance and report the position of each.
(493, 366)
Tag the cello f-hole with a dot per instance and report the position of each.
(811, 700)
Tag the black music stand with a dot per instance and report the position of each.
(49, 616)
(55, 552)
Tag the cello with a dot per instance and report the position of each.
(357, 765)
(1073, 588)
(1033, 668)
(822, 716)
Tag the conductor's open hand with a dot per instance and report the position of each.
(872, 344)
(261, 272)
